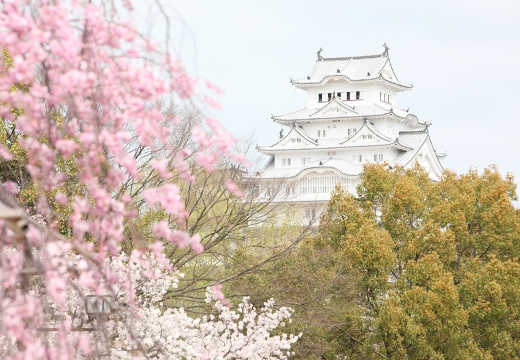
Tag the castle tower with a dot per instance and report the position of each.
(351, 116)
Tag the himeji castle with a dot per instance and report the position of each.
(351, 116)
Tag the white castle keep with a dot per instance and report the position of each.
(351, 117)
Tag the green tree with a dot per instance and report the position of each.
(438, 263)
(315, 281)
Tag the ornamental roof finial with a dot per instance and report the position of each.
(319, 54)
(385, 53)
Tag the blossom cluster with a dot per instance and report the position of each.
(157, 331)
(170, 333)
(82, 89)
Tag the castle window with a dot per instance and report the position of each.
(321, 184)
(320, 97)
(360, 158)
(384, 97)
(348, 95)
(378, 157)
(358, 95)
(310, 214)
(338, 95)
(330, 96)
(303, 161)
(321, 133)
(286, 162)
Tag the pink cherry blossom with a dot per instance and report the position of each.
(5, 153)
(11, 187)
(214, 87)
(92, 129)
(234, 189)
(212, 102)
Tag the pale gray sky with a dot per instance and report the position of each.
(462, 57)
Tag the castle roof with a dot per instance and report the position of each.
(343, 167)
(415, 140)
(352, 69)
(357, 129)
(302, 135)
(335, 109)
(357, 140)
(370, 128)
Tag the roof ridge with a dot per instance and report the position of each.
(353, 57)
(289, 113)
(302, 133)
(376, 131)
(413, 131)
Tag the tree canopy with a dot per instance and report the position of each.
(438, 262)
(101, 152)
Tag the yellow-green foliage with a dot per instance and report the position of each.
(15, 169)
(449, 251)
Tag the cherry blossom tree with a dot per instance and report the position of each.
(80, 90)
(170, 333)
(145, 326)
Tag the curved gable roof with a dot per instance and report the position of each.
(353, 68)
(421, 142)
(370, 110)
(280, 144)
(372, 130)
(334, 103)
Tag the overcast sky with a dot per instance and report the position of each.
(462, 56)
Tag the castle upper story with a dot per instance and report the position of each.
(355, 81)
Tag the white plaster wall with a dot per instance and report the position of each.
(340, 131)
(369, 93)
(351, 154)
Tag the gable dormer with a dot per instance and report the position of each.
(333, 109)
(388, 72)
(295, 139)
(367, 135)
